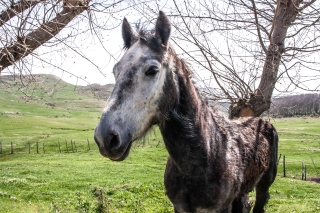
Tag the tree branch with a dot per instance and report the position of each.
(257, 25)
(27, 44)
(202, 51)
(16, 8)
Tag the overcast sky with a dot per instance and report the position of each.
(94, 63)
(79, 66)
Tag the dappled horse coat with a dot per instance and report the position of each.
(213, 162)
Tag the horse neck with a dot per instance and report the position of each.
(184, 131)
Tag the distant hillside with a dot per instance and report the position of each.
(100, 91)
(296, 105)
(51, 91)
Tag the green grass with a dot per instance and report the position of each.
(299, 141)
(26, 117)
(84, 181)
(67, 182)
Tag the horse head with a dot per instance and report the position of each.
(136, 102)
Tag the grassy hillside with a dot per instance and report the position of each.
(47, 110)
(84, 181)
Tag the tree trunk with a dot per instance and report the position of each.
(27, 44)
(259, 101)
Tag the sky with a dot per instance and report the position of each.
(71, 65)
(81, 67)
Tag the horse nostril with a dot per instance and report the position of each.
(114, 142)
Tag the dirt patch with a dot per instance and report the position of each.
(315, 179)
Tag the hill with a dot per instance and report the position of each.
(51, 91)
(47, 110)
(296, 105)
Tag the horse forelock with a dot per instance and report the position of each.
(148, 38)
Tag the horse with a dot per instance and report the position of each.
(213, 162)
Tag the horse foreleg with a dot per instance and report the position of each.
(241, 204)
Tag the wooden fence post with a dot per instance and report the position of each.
(0, 148)
(284, 166)
(72, 146)
(279, 159)
(75, 147)
(59, 146)
(302, 171)
(37, 146)
(11, 148)
(88, 144)
(29, 147)
(67, 145)
(43, 148)
(305, 172)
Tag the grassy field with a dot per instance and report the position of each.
(300, 142)
(84, 181)
(46, 112)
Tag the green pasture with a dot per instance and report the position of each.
(299, 142)
(83, 181)
(47, 112)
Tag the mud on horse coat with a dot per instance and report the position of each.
(213, 162)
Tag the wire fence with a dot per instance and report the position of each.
(307, 169)
(65, 146)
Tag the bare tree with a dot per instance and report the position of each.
(245, 49)
(26, 25)
(249, 47)
(26, 44)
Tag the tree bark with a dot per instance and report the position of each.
(16, 8)
(260, 100)
(27, 44)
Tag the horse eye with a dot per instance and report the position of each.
(152, 71)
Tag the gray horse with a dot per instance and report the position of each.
(213, 162)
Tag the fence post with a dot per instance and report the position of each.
(11, 148)
(29, 147)
(59, 146)
(302, 176)
(67, 145)
(75, 146)
(305, 172)
(279, 159)
(0, 148)
(284, 166)
(43, 148)
(72, 146)
(37, 146)
(88, 144)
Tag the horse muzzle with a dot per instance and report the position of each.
(113, 143)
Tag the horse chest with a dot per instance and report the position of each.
(200, 192)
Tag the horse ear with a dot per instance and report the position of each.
(127, 34)
(163, 28)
